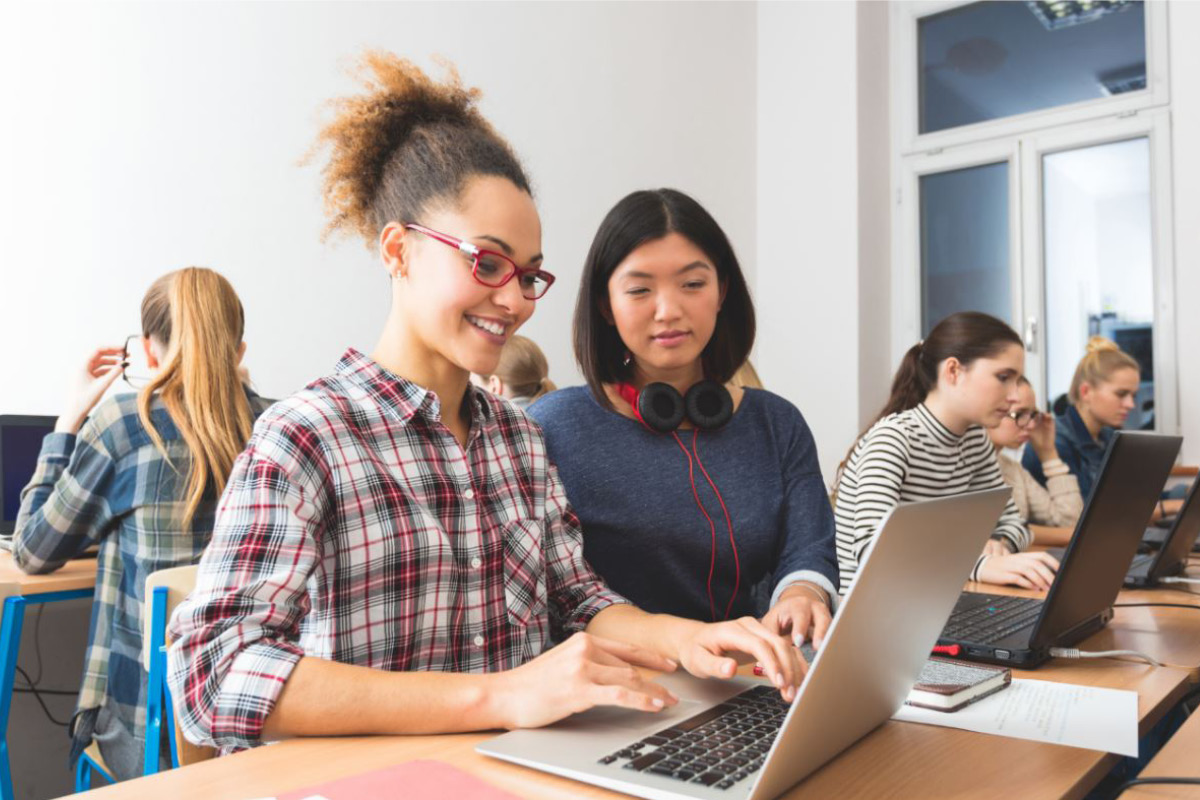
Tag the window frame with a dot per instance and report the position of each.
(905, 84)
(906, 294)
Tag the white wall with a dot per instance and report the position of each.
(807, 286)
(144, 137)
(139, 138)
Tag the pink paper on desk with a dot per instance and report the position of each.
(412, 780)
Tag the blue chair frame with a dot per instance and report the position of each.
(159, 712)
(10, 642)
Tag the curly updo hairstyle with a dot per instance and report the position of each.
(404, 145)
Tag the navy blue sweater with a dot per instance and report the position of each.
(642, 530)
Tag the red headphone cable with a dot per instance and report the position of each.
(737, 580)
(712, 563)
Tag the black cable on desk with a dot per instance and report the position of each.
(1146, 781)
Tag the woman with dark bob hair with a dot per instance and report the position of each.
(692, 491)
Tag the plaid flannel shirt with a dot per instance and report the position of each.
(110, 485)
(355, 528)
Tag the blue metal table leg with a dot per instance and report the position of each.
(10, 642)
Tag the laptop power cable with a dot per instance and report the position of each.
(1179, 580)
(1071, 652)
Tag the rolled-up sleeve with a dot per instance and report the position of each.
(236, 637)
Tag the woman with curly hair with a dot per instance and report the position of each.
(394, 545)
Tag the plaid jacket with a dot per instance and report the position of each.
(355, 528)
(110, 485)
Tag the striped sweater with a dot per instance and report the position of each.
(912, 456)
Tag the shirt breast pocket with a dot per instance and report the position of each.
(524, 572)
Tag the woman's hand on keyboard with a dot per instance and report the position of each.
(799, 615)
(706, 653)
(1027, 570)
(582, 672)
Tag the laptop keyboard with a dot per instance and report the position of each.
(1143, 560)
(717, 747)
(987, 618)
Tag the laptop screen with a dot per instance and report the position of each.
(20, 443)
(1106, 538)
(1183, 533)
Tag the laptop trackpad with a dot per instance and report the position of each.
(695, 695)
(628, 718)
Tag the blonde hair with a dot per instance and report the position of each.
(523, 368)
(747, 377)
(1102, 361)
(197, 316)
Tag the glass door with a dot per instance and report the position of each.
(1097, 256)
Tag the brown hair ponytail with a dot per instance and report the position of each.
(524, 369)
(197, 315)
(966, 336)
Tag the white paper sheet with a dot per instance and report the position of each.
(1044, 711)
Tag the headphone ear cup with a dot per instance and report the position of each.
(661, 407)
(709, 405)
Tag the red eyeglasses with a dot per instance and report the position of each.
(491, 268)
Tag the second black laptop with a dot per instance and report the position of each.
(1019, 631)
(1171, 559)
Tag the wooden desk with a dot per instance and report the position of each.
(896, 760)
(1180, 758)
(1171, 635)
(76, 579)
(78, 574)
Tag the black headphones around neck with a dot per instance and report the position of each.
(660, 407)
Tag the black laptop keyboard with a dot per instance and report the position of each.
(717, 747)
(987, 618)
(1143, 560)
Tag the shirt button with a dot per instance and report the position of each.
(469, 494)
(478, 640)
(477, 562)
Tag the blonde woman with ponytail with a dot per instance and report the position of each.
(522, 375)
(139, 474)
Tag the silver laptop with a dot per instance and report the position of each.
(737, 738)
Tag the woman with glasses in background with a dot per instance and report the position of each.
(139, 475)
(1058, 503)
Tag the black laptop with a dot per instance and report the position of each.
(20, 444)
(1162, 529)
(1019, 631)
(1171, 559)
